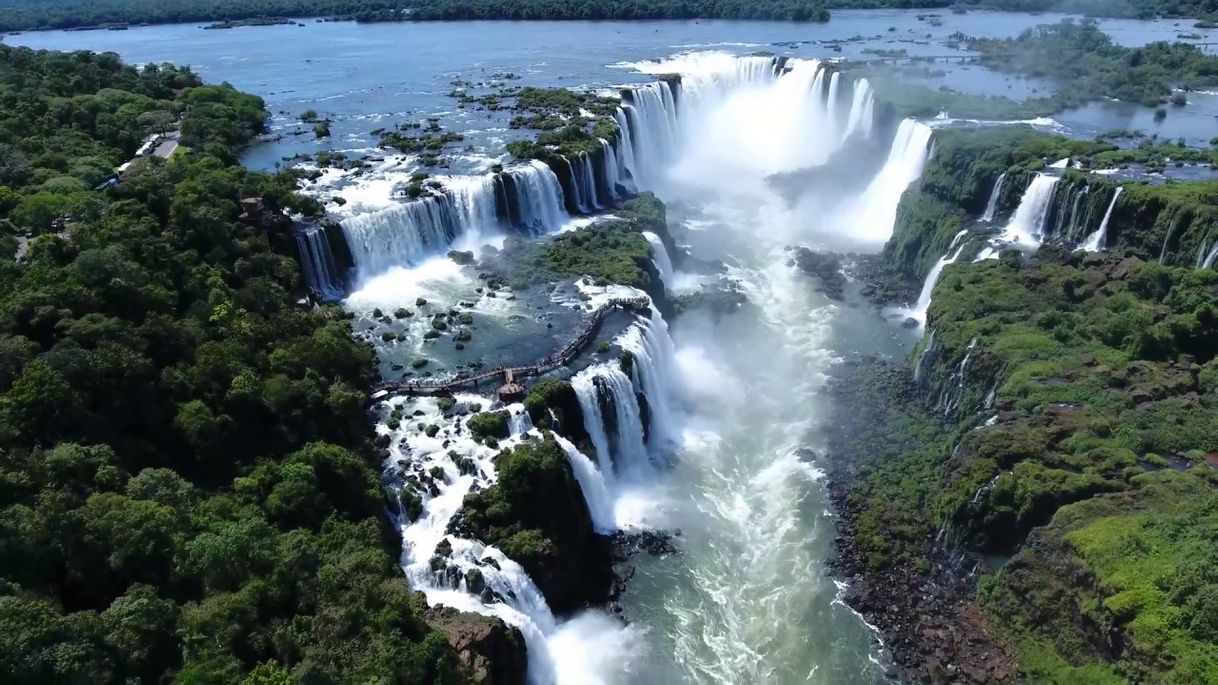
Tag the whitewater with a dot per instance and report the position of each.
(713, 432)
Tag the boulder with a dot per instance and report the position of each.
(488, 651)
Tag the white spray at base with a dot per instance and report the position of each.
(870, 220)
(1099, 240)
(1026, 228)
(659, 255)
(479, 578)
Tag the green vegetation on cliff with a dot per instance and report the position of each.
(187, 491)
(551, 536)
(1103, 382)
(611, 250)
(1061, 420)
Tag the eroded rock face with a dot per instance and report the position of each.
(489, 651)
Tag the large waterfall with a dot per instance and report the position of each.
(719, 92)
(469, 209)
(402, 234)
(874, 219)
(531, 199)
(706, 436)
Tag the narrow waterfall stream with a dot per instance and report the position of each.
(1099, 240)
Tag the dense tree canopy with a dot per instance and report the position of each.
(186, 488)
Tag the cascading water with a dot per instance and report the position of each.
(650, 114)
(871, 220)
(932, 277)
(612, 166)
(321, 274)
(593, 484)
(653, 354)
(1208, 262)
(862, 110)
(621, 452)
(1026, 228)
(533, 198)
(659, 255)
(991, 207)
(747, 600)
(402, 234)
(1099, 240)
(722, 87)
(444, 468)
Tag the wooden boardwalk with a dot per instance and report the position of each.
(445, 386)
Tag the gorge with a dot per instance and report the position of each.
(889, 378)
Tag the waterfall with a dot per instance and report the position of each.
(402, 234)
(321, 274)
(582, 184)
(625, 152)
(802, 95)
(592, 484)
(862, 110)
(440, 471)
(928, 287)
(1026, 228)
(831, 101)
(1208, 263)
(584, 384)
(953, 390)
(586, 180)
(654, 359)
(612, 166)
(1099, 240)
(1171, 230)
(991, 207)
(876, 209)
(659, 256)
(533, 198)
(650, 114)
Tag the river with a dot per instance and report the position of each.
(748, 598)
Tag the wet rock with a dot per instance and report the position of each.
(474, 581)
(463, 258)
(488, 651)
(825, 268)
(653, 542)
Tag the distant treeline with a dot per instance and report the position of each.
(25, 15)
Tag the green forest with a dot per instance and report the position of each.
(187, 491)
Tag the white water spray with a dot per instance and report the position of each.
(1099, 240)
(991, 207)
(932, 277)
(659, 255)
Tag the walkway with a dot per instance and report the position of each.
(445, 386)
